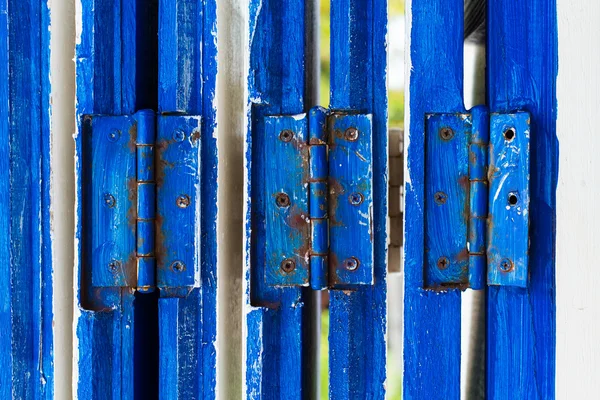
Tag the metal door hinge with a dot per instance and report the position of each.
(476, 199)
(319, 205)
(141, 183)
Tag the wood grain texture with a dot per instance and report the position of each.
(274, 316)
(357, 350)
(26, 350)
(521, 75)
(432, 320)
(186, 84)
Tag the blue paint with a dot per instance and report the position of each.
(350, 200)
(446, 199)
(275, 341)
(287, 221)
(431, 320)
(478, 202)
(178, 201)
(117, 60)
(357, 349)
(26, 350)
(521, 74)
(508, 222)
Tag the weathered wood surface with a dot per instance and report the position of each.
(26, 335)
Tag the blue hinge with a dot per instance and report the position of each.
(318, 212)
(141, 200)
(476, 199)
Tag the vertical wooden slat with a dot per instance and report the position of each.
(357, 348)
(26, 270)
(432, 320)
(521, 75)
(275, 350)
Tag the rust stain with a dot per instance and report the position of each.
(132, 144)
(335, 191)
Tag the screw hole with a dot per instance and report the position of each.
(513, 199)
(351, 264)
(509, 134)
(356, 199)
(183, 201)
(351, 134)
(443, 262)
(177, 266)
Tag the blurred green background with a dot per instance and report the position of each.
(396, 119)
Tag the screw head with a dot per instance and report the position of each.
(114, 135)
(506, 265)
(351, 134)
(177, 266)
(287, 265)
(356, 199)
(179, 135)
(282, 200)
(109, 200)
(286, 135)
(114, 266)
(440, 198)
(183, 201)
(446, 133)
(443, 262)
(351, 264)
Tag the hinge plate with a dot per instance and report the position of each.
(476, 215)
(109, 176)
(348, 218)
(111, 194)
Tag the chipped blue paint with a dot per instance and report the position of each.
(26, 318)
(357, 349)
(508, 221)
(122, 68)
(446, 199)
(276, 344)
(286, 192)
(431, 319)
(521, 75)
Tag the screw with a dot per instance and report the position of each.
(179, 135)
(178, 266)
(356, 199)
(440, 197)
(443, 262)
(446, 133)
(287, 265)
(183, 200)
(351, 134)
(506, 265)
(286, 135)
(114, 135)
(109, 200)
(282, 200)
(351, 264)
(114, 266)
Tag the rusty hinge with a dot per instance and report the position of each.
(476, 199)
(141, 200)
(318, 210)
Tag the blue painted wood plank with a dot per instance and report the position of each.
(521, 75)
(431, 320)
(357, 349)
(275, 317)
(26, 270)
(186, 84)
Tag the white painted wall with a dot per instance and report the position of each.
(578, 215)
